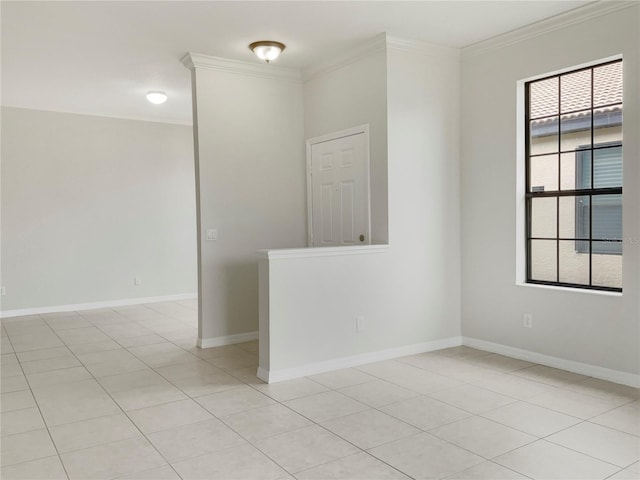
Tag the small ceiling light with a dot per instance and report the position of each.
(156, 97)
(267, 50)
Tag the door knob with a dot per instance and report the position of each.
(362, 238)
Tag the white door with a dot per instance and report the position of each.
(339, 184)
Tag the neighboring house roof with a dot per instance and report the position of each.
(574, 92)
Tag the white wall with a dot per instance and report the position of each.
(592, 328)
(251, 181)
(89, 203)
(337, 99)
(409, 293)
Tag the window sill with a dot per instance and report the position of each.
(569, 289)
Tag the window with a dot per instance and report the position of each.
(574, 178)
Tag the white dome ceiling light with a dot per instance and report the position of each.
(267, 50)
(156, 97)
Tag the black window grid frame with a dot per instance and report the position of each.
(557, 194)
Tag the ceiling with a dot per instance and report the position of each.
(101, 58)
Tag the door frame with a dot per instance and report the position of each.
(364, 129)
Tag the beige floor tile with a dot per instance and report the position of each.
(162, 473)
(186, 370)
(189, 441)
(150, 339)
(112, 355)
(512, 386)
(575, 403)
(462, 351)
(23, 447)
(43, 354)
(162, 359)
(155, 349)
(111, 460)
(387, 369)
(234, 401)
(116, 367)
(548, 461)
(487, 471)
(58, 377)
(94, 347)
(66, 323)
(251, 346)
(265, 421)
(237, 360)
(424, 456)
(600, 442)
(326, 405)
(197, 386)
(240, 463)
(378, 393)
(424, 412)
(291, 389)
(472, 399)
(531, 419)
(424, 382)
(606, 390)
(8, 370)
(346, 377)
(149, 396)
(370, 428)
(131, 380)
(5, 345)
(13, 384)
(625, 418)
(629, 473)
(49, 364)
(20, 421)
(16, 400)
(360, 466)
(550, 376)
(305, 448)
(77, 336)
(48, 468)
(168, 415)
(92, 432)
(124, 330)
(501, 363)
(482, 437)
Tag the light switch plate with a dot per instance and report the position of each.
(211, 235)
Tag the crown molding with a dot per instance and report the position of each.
(548, 25)
(422, 48)
(368, 48)
(195, 61)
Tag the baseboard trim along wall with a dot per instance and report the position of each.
(602, 373)
(95, 305)
(272, 376)
(227, 340)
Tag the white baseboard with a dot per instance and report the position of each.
(94, 305)
(602, 373)
(227, 340)
(272, 376)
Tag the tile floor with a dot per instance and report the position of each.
(123, 393)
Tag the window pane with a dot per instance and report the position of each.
(607, 84)
(543, 98)
(575, 91)
(574, 217)
(543, 136)
(575, 131)
(543, 217)
(607, 125)
(607, 217)
(606, 269)
(607, 167)
(543, 260)
(575, 170)
(543, 173)
(574, 265)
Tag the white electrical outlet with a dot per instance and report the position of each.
(527, 320)
(211, 235)
(360, 325)
(3, 291)
(136, 281)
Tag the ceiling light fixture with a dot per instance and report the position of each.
(156, 97)
(267, 50)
